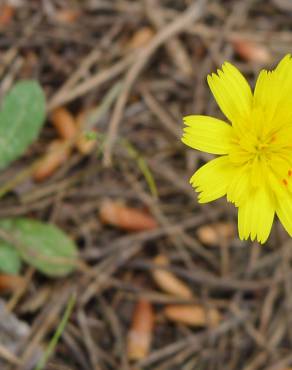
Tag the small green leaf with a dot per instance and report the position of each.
(41, 245)
(21, 117)
(10, 262)
(90, 135)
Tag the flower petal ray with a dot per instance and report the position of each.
(207, 134)
(232, 93)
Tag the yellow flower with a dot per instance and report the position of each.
(254, 169)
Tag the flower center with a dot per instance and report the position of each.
(263, 147)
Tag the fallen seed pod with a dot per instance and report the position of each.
(251, 51)
(126, 218)
(168, 282)
(64, 123)
(140, 334)
(193, 315)
(214, 233)
(141, 38)
(10, 282)
(67, 16)
(6, 14)
(58, 153)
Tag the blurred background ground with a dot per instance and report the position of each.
(129, 70)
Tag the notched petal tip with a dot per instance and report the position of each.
(262, 240)
(242, 237)
(184, 139)
(227, 64)
(211, 77)
(229, 67)
(207, 134)
(203, 201)
(193, 179)
(187, 120)
(287, 57)
(250, 237)
(225, 68)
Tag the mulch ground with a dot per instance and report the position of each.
(142, 65)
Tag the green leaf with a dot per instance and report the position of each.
(10, 262)
(21, 117)
(91, 135)
(41, 245)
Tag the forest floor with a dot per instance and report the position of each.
(163, 281)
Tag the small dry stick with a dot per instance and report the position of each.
(164, 117)
(192, 13)
(174, 46)
(65, 96)
(8, 356)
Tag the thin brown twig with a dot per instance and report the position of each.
(174, 46)
(193, 13)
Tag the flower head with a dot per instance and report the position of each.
(254, 166)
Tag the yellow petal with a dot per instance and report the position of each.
(263, 95)
(284, 66)
(239, 187)
(284, 212)
(273, 94)
(232, 93)
(266, 96)
(255, 216)
(212, 179)
(207, 134)
(283, 75)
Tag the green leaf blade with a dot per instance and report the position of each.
(21, 117)
(43, 246)
(10, 261)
